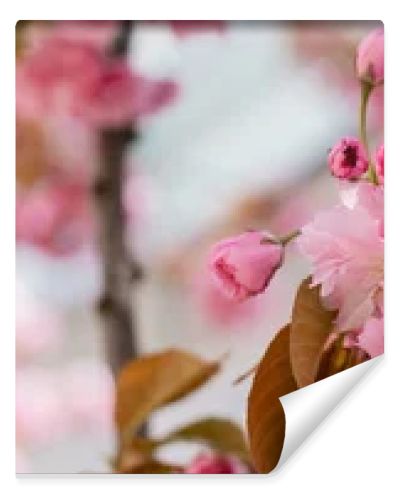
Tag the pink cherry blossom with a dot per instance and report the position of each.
(369, 197)
(243, 266)
(213, 463)
(345, 247)
(54, 215)
(348, 159)
(370, 58)
(380, 163)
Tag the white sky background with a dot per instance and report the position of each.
(250, 114)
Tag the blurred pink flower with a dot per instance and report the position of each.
(242, 266)
(99, 34)
(49, 75)
(117, 96)
(54, 215)
(71, 146)
(345, 246)
(38, 330)
(88, 387)
(380, 163)
(348, 159)
(62, 75)
(40, 415)
(213, 463)
(370, 58)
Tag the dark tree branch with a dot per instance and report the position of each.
(119, 270)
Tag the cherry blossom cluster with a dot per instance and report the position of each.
(344, 244)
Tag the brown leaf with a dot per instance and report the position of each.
(156, 467)
(155, 380)
(265, 415)
(218, 433)
(135, 464)
(31, 161)
(338, 358)
(311, 326)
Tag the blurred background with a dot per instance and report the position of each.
(242, 116)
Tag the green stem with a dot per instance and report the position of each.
(289, 237)
(366, 89)
(283, 240)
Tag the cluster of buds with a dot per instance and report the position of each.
(349, 158)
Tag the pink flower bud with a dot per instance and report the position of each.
(379, 163)
(243, 266)
(211, 463)
(347, 159)
(370, 58)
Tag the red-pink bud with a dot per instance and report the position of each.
(380, 163)
(211, 463)
(348, 159)
(244, 265)
(370, 58)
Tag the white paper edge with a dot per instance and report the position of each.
(306, 408)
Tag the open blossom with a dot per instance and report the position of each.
(345, 246)
(213, 463)
(370, 58)
(243, 266)
(380, 164)
(348, 159)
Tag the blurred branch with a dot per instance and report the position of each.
(119, 269)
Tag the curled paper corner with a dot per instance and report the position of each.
(306, 408)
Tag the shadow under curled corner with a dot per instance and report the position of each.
(305, 409)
